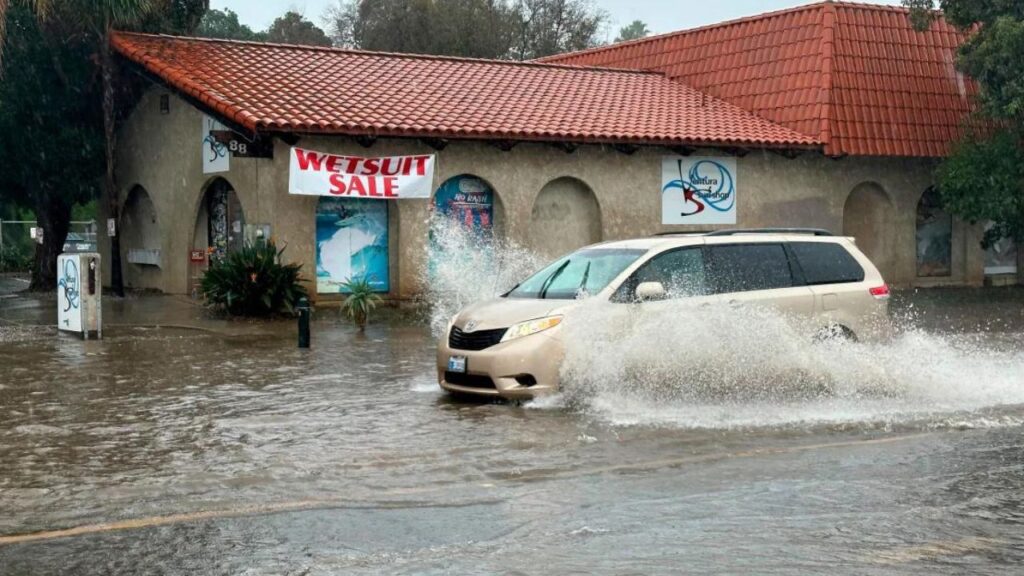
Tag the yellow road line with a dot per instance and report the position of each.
(937, 549)
(308, 505)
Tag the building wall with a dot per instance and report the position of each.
(161, 153)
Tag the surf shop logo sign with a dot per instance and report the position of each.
(314, 173)
(698, 190)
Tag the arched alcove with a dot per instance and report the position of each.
(565, 216)
(140, 229)
(868, 217)
(220, 221)
(934, 237)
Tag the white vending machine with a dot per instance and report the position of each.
(79, 288)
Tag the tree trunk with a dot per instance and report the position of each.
(54, 215)
(109, 184)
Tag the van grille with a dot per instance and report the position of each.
(469, 380)
(481, 340)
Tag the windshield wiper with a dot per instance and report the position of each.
(551, 280)
(586, 276)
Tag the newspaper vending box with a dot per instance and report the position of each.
(78, 293)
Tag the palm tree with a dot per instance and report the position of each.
(103, 16)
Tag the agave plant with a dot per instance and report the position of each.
(361, 299)
(253, 282)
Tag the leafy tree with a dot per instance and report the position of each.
(983, 180)
(292, 28)
(635, 30)
(50, 129)
(471, 28)
(547, 27)
(224, 24)
(519, 29)
(173, 16)
(86, 24)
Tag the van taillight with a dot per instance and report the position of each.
(880, 292)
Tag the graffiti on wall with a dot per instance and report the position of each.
(215, 153)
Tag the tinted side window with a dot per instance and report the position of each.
(746, 267)
(826, 263)
(681, 272)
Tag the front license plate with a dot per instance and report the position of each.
(457, 364)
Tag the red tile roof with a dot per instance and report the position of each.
(280, 88)
(857, 77)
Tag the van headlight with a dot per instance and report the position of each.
(531, 327)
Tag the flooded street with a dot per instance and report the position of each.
(182, 451)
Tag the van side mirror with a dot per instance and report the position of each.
(650, 291)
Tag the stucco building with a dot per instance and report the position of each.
(831, 115)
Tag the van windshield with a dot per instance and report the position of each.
(584, 272)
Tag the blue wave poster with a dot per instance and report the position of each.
(351, 243)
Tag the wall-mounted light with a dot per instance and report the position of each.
(165, 104)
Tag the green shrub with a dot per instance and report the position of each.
(16, 259)
(361, 299)
(253, 282)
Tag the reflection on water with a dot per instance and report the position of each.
(639, 474)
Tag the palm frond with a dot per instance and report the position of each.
(40, 7)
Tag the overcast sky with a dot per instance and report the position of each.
(660, 15)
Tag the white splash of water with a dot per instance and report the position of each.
(722, 367)
(463, 268)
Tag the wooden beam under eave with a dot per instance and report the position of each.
(289, 138)
(366, 141)
(788, 153)
(627, 149)
(503, 145)
(683, 150)
(435, 143)
(735, 151)
(567, 147)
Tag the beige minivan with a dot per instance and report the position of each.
(510, 347)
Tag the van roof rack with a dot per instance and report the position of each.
(685, 233)
(811, 231)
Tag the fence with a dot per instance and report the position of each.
(17, 247)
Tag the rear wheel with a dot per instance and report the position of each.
(835, 333)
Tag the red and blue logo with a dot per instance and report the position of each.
(708, 185)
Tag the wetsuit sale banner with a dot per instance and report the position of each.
(391, 178)
(698, 190)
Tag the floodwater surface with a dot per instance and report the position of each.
(172, 451)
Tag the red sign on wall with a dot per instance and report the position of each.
(197, 255)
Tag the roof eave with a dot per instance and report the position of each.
(547, 139)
